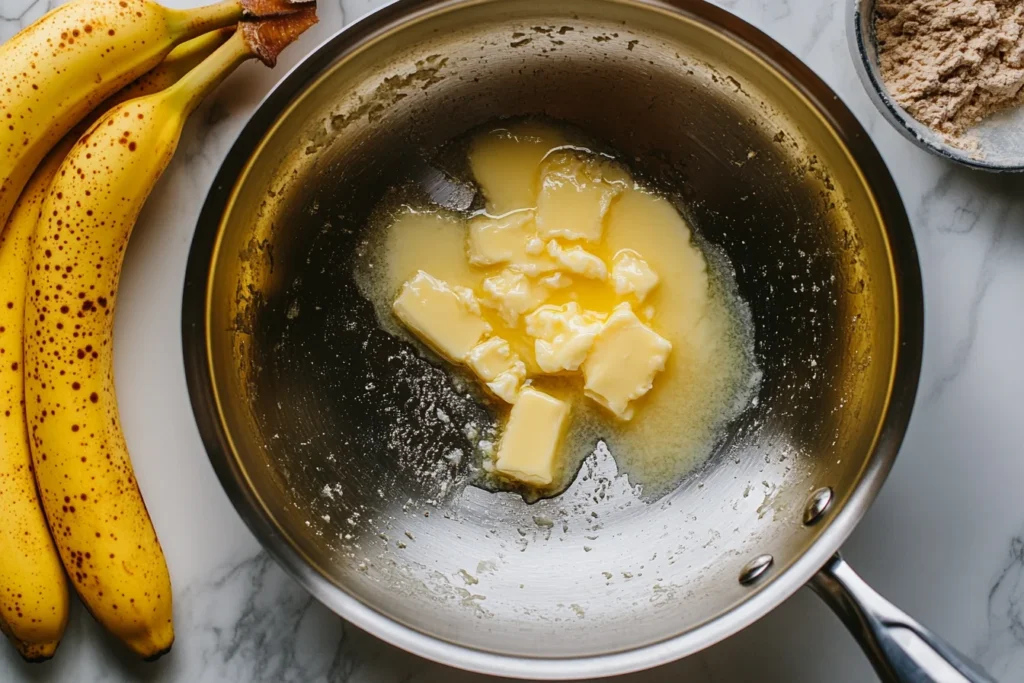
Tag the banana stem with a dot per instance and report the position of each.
(200, 81)
(194, 22)
(175, 66)
(194, 51)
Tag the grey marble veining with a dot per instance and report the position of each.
(945, 539)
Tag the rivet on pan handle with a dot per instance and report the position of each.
(875, 623)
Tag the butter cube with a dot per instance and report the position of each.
(506, 239)
(632, 274)
(563, 335)
(446, 318)
(512, 294)
(578, 260)
(575, 193)
(499, 367)
(622, 363)
(529, 447)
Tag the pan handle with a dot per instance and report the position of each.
(887, 634)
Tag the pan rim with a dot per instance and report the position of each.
(902, 389)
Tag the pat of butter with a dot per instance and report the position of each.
(563, 335)
(506, 239)
(447, 318)
(529, 446)
(512, 294)
(578, 260)
(575, 193)
(499, 367)
(622, 363)
(632, 274)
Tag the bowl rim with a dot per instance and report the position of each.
(892, 112)
(786, 581)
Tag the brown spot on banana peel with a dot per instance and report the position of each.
(32, 653)
(267, 38)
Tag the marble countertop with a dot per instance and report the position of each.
(944, 540)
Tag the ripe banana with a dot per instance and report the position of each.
(85, 478)
(33, 590)
(62, 66)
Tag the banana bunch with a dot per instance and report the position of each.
(68, 202)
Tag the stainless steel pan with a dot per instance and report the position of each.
(328, 433)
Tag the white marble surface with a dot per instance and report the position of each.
(945, 539)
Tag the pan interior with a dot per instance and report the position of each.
(339, 429)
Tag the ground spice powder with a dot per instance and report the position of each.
(951, 63)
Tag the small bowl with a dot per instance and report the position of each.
(999, 138)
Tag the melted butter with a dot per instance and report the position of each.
(506, 163)
(710, 374)
(433, 242)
